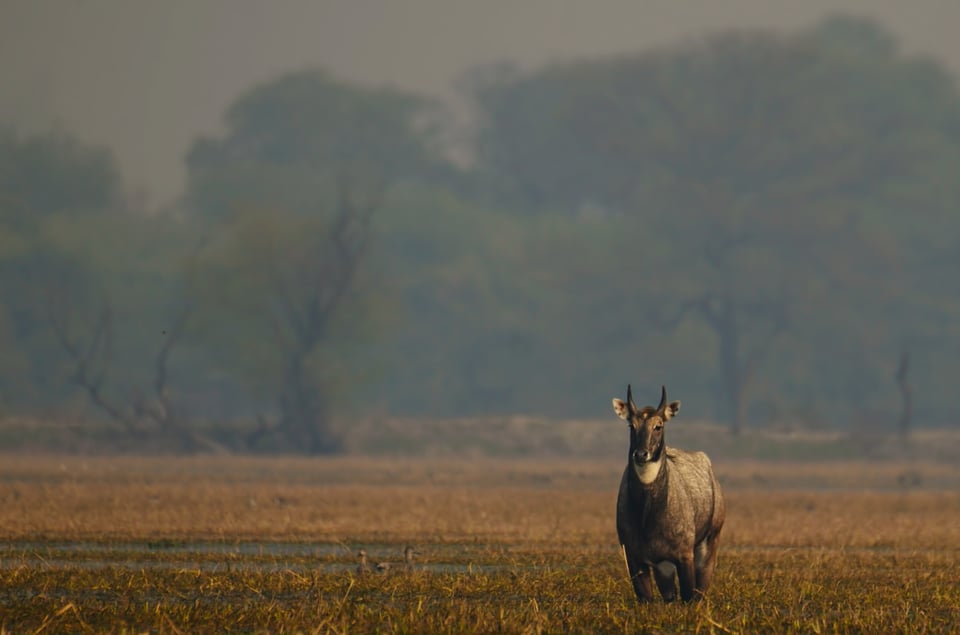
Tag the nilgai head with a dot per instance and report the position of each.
(646, 427)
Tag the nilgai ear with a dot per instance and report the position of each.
(672, 408)
(620, 407)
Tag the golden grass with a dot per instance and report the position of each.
(113, 544)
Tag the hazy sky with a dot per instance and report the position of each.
(146, 77)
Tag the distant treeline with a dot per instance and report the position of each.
(765, 222)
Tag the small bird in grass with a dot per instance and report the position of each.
(364, 565)
(408, 558)
(385, 567)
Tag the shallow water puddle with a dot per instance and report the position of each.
(217, 557)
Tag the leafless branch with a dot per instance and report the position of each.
(668, 322)
(323, 276)
(753, 358)
(707, 306)
(90, 363)
(161, 390)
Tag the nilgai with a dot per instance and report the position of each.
(670, 508)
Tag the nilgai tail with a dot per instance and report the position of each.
(670, 508)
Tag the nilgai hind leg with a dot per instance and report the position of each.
(705, 560)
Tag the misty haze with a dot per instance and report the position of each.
(379, 220)
(312, 314)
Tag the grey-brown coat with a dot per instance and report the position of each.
(670, 508)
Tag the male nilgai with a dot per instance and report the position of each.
(670, 508)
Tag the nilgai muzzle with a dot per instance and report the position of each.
(670, 508)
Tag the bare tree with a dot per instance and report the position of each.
(307, 296)
(90, 359)
(745, 332)
(89, 350)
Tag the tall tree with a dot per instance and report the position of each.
(89, 290)
(273, 286)
(43, 178)
(757, 167)
(289, 193)
(291, 141)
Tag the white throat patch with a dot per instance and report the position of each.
(648, 471)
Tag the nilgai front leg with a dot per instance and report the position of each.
(639, 576)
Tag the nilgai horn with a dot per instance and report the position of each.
(670, 508)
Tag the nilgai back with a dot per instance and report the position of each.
(670, 509)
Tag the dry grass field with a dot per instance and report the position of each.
(211, 544)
